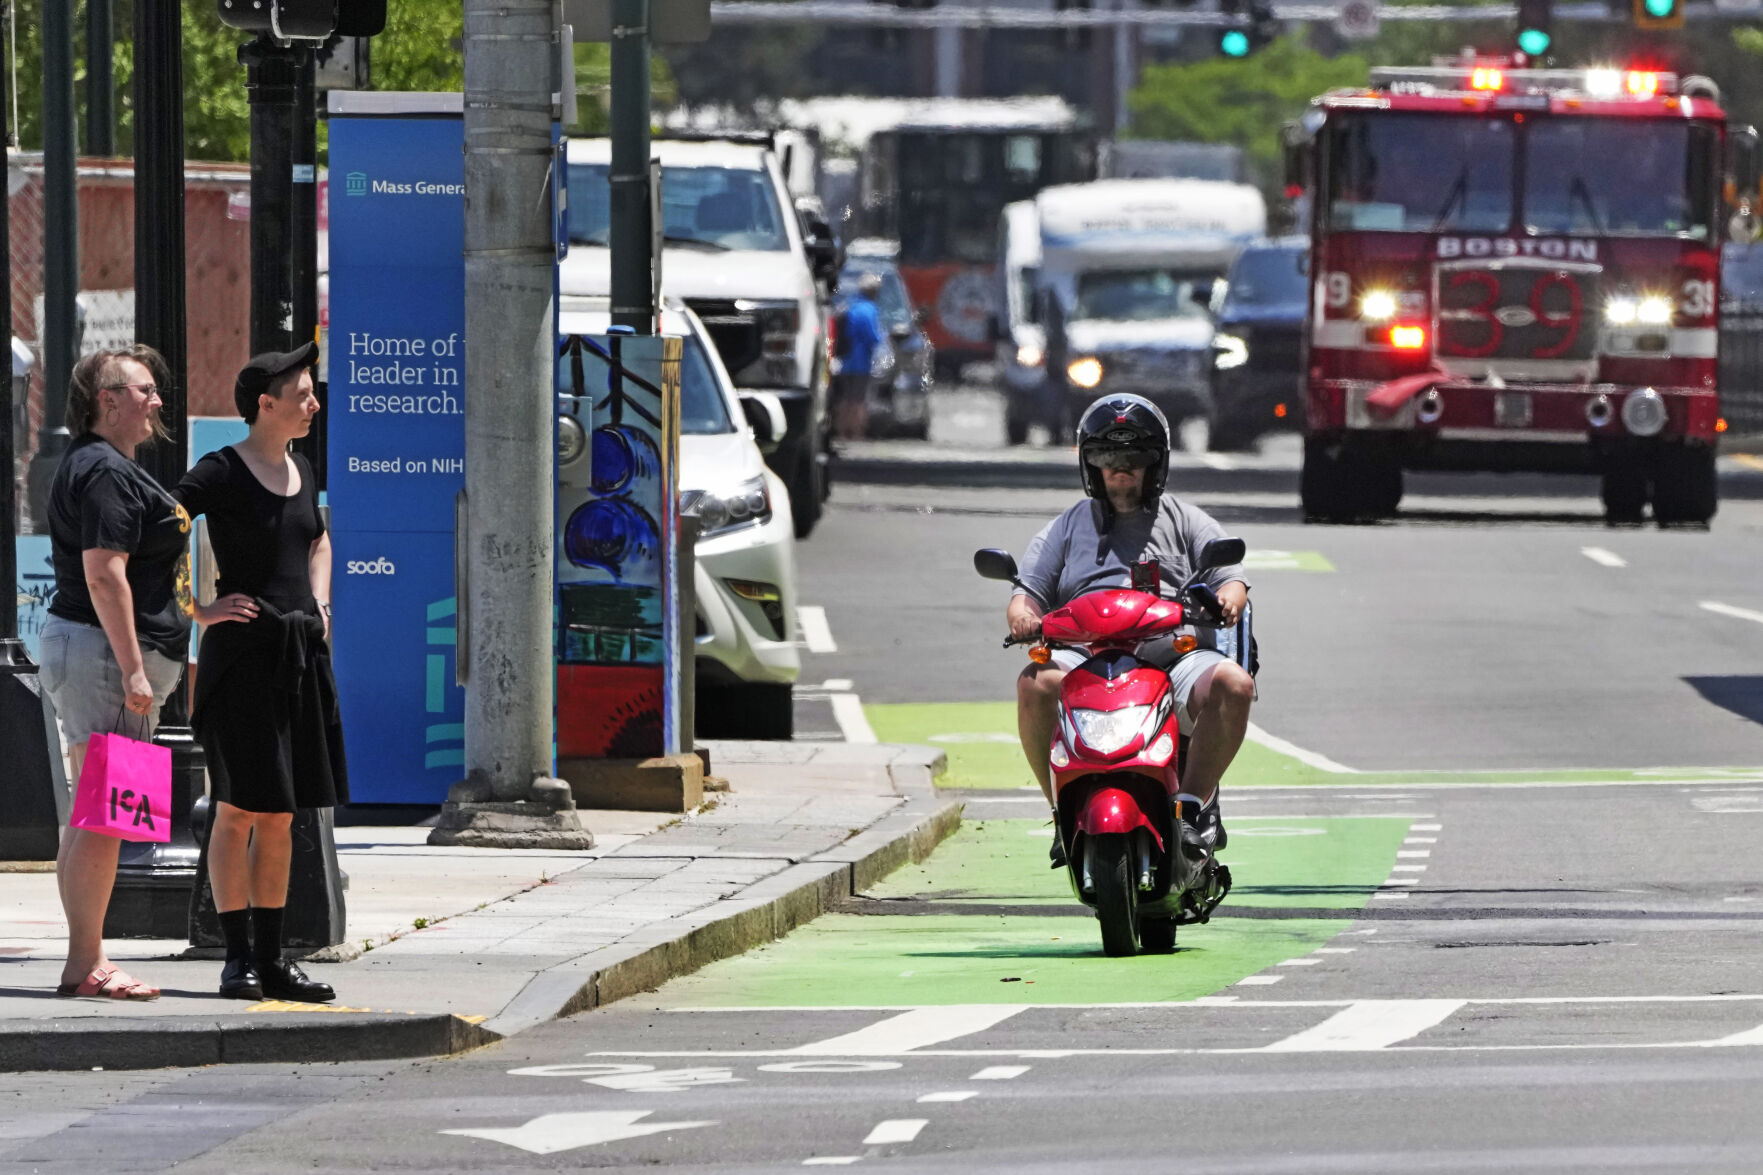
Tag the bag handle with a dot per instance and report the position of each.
(120, 711)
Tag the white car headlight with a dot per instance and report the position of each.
(749, 502)
(1030, 355)
(1106, 731)
(1086, 372)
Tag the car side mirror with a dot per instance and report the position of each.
(765, 414)
(1222, 553)
(992, 563)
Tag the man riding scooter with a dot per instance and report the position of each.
(1123, 455)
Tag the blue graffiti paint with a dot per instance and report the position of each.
(623, 455)
(616, 535)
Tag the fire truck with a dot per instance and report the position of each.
(1516, 270)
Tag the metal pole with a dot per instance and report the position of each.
(154, 881)
(61, 251)
(633, 291)
(272, 74)
(303, 235)
(509, 797)
(100, 79)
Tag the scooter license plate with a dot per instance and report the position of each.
(1512, 409)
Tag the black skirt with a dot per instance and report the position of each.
(266, 714)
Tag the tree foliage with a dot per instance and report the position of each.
(1222, 100)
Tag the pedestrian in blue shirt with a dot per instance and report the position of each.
(860, 337)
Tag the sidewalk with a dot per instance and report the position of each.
(451, 948)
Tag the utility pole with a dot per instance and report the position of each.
(154, 881)
(303, 237)
(272, 77)
(633, 283)
(508, 797)
(100, 79)
(61, 252)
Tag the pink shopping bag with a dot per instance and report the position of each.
(124, 789)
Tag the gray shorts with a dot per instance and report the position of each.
(1184, 675)
(82, 678)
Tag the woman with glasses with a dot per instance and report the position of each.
(114, 644)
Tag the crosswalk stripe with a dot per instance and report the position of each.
(916, 1029)
(1368, 1025)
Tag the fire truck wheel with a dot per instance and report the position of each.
(1684, 489)
(1624, 491)
(1324, 487)
(1015, 423)
(1383, 486)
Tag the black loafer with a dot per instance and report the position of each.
(239, 981)
(283, 980)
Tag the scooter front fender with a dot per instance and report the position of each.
(1112, 809)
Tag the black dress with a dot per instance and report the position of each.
(266, 701)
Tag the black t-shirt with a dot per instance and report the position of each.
(261, 540)
(101, 500)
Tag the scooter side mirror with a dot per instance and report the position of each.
(992, 563)
(1222, 553)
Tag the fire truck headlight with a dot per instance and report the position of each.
(1654, 311)
(1229, 351)
(1622, 311)
(1643, 412)
(1603, 83)
(1085, 372)
(1377, 305)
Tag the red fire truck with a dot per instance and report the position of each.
(1515, 270)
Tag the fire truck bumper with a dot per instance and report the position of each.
(1541, 427)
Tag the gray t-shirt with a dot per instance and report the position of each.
(1072, 555)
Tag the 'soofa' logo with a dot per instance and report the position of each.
(355, 183)
(380, 566)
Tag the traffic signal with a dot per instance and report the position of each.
(1259, 30)
(305, 20)
(1658, 14)
(1535, 27)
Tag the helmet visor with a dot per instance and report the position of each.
(1120, 459)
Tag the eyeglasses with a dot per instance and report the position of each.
(144, 389)
(1119, 460)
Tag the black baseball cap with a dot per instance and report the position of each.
(256, 376)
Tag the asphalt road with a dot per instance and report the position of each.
(1420, 970)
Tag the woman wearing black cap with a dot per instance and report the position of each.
(266, 703)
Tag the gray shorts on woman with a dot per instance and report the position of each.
(84, 681)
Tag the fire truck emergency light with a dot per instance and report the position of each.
(1641, 83)
(1487, 79)
(1408, 338)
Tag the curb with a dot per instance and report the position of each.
(158, 1043)
(762, 913)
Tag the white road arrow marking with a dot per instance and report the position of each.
(550, 1133)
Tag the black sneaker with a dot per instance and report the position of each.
(239, 981)
(283, 980)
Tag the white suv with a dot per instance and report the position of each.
(747, 642)
(736, 252)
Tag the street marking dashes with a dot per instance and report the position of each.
(1000, 1072)
(895, 1130)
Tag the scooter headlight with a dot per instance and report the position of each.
(1106, 731)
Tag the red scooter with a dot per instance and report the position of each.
(1117, 754)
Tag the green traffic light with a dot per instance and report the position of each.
(1660, 9)
(1235, 42)
(1535, 42)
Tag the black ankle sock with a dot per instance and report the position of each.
(266, 927)
(235, 926)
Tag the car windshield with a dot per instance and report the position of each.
(891, 302)
(1268, 277)
(1623, 176)
(702, 410)
(1141, 295)
(712, 207)
(1420, 173)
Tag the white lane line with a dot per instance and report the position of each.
(1259, 980)
(1367, 1026)
(831, 1161)
(1427, 828)
(1729, 610)
(837, 684)
(1217, 461)
(999, 1072)
(915, 1029)
(1605, 558)
(1408, 869)
(1400, 881)
(1335, 950)
(1213, 1001)
(816, 632)
(1749, 1036)
(1421, 840)
(1292, 750)
(895, 1130)
(1299, 963)
(949, 1095)
(1413, 853)
(853, 724)
(1391, 896)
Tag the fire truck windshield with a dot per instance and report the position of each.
(1580, 175)
(1619, 176)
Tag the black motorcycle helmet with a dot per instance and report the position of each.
(1123, 424)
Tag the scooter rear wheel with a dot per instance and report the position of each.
(1117, 897)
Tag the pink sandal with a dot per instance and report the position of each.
(108, 983)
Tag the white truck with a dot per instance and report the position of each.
(1122, 292)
